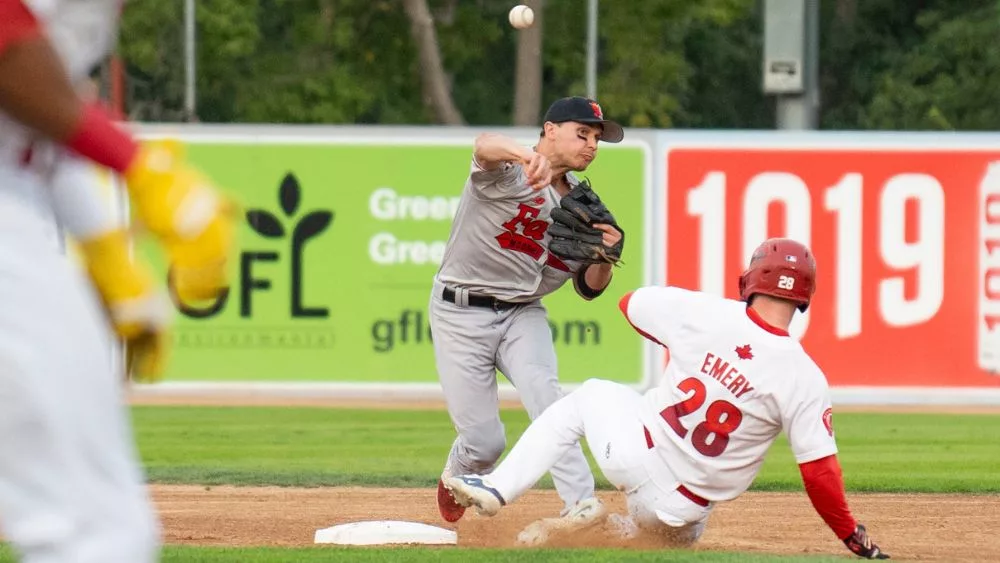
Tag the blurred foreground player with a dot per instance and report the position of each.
(70, 487)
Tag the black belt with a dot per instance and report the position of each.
(480, 301)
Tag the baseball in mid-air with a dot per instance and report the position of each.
(521, 16)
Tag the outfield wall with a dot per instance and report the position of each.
(345, 226)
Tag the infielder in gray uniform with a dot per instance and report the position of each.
(485, 309)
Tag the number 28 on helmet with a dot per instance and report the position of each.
(781, 268)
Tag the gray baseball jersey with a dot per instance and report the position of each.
(499, 241)
(499, 248)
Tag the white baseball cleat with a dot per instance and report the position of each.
(474, 490)
(583, 514)
(587, 511)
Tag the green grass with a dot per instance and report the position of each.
(295, 447)
(177, 554)
(317, 447)
(325, 447)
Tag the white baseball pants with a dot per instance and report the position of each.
(70, 486)
(606, 413)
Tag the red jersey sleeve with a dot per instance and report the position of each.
(17, 23)
(825, 486)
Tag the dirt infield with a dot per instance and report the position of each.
(909, 527)
(954, 528)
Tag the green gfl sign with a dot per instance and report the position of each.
(338, 249)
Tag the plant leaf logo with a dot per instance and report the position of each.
(288, 223)
(268, 225)
(289, 194)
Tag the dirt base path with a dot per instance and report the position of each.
(953, 528)
(910, 527)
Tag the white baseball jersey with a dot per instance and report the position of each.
(82, 32)
(499, 242)
(732, 384)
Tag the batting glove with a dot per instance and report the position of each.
(861, 545)
(137, 309)
(189, 216)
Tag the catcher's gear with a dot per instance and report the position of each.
(782, 268)
(137, 309)
(573, 234)
(190, 217)
(861, 545)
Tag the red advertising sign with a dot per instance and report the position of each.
(907, 243)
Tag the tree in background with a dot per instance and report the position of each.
(885, 64)
(434, 80)
(644, 64)
(924, 65)
(950, 80)
(725, 89)
(151, 44)
(528, 69)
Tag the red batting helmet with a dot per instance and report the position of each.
(782, 268)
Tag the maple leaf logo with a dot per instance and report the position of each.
(597, 110)
(828, 420)
(744, 352)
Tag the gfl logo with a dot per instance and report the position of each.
(269, 225)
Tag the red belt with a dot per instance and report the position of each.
(680, 488)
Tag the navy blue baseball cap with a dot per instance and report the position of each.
(584, 110)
